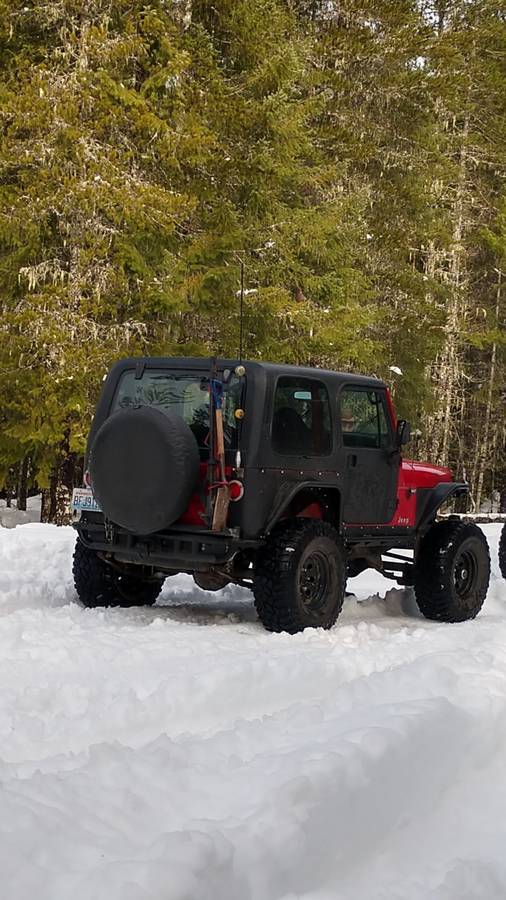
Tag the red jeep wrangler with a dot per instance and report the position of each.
(284, 479)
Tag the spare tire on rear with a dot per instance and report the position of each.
(144, 467)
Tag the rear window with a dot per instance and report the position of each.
(185, 394)
(301, 418)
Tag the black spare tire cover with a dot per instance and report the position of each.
(144, 466)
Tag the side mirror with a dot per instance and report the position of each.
(403, 432)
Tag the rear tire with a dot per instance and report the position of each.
(502, 552)
(98, 584)
(299, 578)
(452, 572)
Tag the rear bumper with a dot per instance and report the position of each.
(184, 550)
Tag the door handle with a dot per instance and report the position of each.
(352, 460)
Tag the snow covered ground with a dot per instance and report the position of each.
(182, 753)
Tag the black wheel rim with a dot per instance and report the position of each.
(314, 582)
(465, 573)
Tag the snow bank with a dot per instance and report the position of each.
(182, 753)
(10, 516)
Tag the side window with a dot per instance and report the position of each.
(363, 418)
(301, 418)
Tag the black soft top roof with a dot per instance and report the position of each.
(204, 364)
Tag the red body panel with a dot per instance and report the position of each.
(313, 511)
(424, 475)
(195, 511)
(413, 475)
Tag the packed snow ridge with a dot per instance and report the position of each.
(183, 753)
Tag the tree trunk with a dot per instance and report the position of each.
(22, 486)
(48, 506)
(484, 451)
(452, 362)
(66, 482)
(44, 504)
(447, 372)
(441, 8)
(186, 12)
(56, 501)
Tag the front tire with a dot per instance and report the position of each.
(502, 552)
(98, 584)
(452, 572)
(300, 577)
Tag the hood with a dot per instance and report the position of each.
(422, 474)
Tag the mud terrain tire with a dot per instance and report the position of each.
(502, 552)
(452, 572)
(300, 577)
(98, 584)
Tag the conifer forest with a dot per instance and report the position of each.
(348, 155)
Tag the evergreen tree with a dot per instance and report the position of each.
(91, 209)
(145, 154)
(349, 156)
(268, 195)
(467, 64)
(376, 117)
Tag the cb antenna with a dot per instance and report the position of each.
(241, 312)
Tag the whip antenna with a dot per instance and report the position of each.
(241, 312)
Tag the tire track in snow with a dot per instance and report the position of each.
(300, 801)
(103, 689)
(171, 761)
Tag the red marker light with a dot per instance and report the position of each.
(236, 490)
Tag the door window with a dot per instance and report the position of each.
(301, 418)
(363, 418)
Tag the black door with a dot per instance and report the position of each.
(371, 461)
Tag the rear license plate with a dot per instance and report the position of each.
(83, 499)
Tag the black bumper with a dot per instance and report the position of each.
(184, 550)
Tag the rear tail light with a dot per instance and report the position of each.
(87, 479)
(236, 490)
